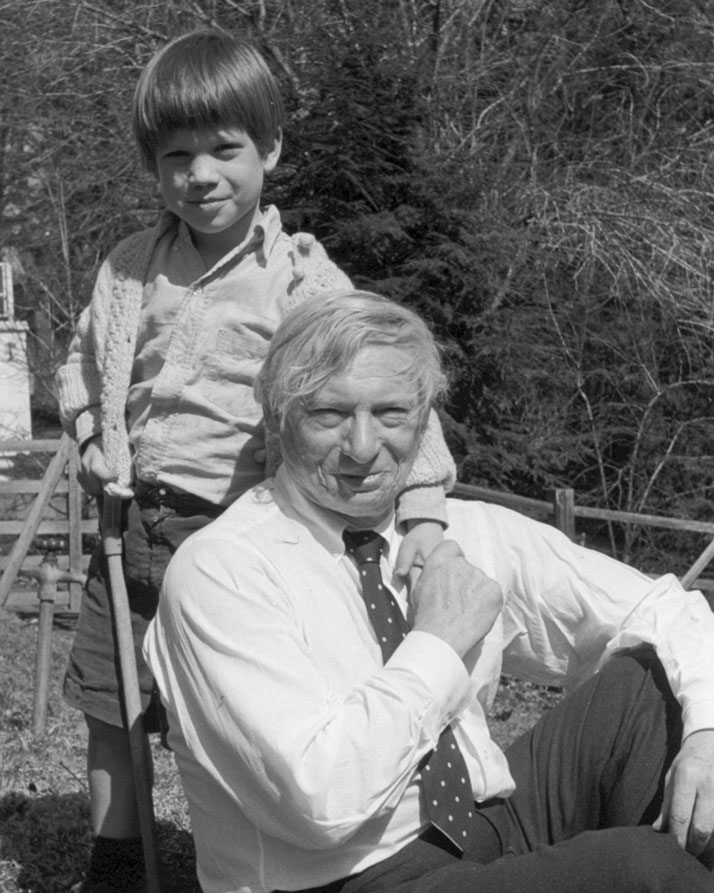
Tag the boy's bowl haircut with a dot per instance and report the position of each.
(206, 79)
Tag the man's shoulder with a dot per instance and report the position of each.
(468, 516)
(253, 544)
(471, 508)
(253, 522)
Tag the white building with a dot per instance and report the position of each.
(15, 378)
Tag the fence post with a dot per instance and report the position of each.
(564, 508)
(34, 518)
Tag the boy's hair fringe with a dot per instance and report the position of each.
(205, 79)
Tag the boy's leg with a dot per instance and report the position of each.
(92, 683)
(109, 765)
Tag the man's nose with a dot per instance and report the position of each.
(361, 442)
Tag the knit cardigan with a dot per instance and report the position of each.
(94, 383)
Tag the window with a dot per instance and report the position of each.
(7, 307)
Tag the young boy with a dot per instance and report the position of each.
(157, 387)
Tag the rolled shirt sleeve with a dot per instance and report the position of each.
(569, 608)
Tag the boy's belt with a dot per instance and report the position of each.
(184, 504)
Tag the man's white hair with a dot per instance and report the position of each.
(322, 336)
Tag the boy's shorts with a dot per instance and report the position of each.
(155, 523)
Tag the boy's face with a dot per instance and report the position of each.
(212, 179)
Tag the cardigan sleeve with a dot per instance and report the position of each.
(79, 380)
(93, 383)
(432, 476)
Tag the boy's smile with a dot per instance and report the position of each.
(212, 179)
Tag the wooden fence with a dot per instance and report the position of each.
(60, 480)
(562, 511)
(44, 518)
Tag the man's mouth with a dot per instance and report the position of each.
(362, 482)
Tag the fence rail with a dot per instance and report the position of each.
(563, 512)
(544, 510)
(60, 478)
(64, 461)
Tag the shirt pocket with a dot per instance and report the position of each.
(230, 367)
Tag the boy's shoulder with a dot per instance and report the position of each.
(313, 271)
(134, 251)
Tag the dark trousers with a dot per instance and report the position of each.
(589, 780)
(154, 524)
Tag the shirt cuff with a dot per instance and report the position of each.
(426, 503)
(88, 424)
(696, 716)
(439, 669)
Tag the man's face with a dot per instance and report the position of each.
(350, 447)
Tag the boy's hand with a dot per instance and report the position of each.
(93, 472)
(422, 538)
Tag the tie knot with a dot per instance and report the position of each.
(364, 545)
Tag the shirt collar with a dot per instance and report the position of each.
(325, 526)
(265, 233)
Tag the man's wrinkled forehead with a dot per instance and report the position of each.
(388, 368)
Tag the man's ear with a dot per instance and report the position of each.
(272, 156)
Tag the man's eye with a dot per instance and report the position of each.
(328, 418)
(393, 416)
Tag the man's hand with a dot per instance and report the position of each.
(688, 804)
(93, 472)
(423, 537)
(454, 600)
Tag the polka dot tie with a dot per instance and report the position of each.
(447, 787)
(366, 547)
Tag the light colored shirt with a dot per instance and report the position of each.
(298, 749)
(193, 421)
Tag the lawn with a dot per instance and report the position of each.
(45, 835)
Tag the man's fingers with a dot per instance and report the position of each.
(446, 551)
(686, 814)
(699, 838)
(679, 821)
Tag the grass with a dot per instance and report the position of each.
(45, 834)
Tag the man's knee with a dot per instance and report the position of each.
(637, 661)
(637, 675)
(639, 858)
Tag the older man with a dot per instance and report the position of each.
(330, 729)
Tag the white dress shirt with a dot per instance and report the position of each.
(298, 750)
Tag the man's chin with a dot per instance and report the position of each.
(364, 509)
